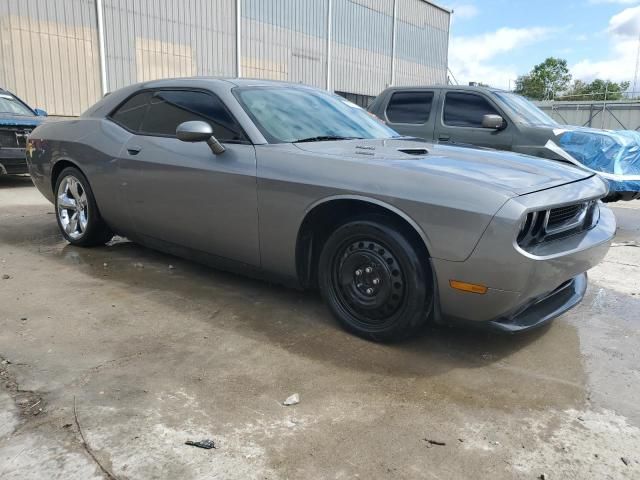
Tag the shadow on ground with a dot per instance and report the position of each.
(13, 181)
(293, 320)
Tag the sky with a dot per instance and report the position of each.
(494, 41)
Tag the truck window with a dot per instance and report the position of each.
(409, 107)
(466, 109)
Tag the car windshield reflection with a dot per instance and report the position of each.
(286, 115)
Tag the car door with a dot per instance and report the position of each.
(461, 121)
(409, 112)
(184, 194)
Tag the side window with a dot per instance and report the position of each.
(409, 107)
(466, 109)
(131, 112)
(169, 108)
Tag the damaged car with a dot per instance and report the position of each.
(493, 118)
(17, 120)
(298, 185)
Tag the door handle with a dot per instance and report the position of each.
(444, 138)
(134, 150)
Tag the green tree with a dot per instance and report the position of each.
(545, 80)
(596, 90)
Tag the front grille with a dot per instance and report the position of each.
(14, 137)
(558, 216)
(555, 223)
(8, 139)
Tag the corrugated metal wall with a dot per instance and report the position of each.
(362, 37)
(422, 44)
(284, 40)
(50, 51)
(146, 40)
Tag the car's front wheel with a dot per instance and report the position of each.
(374, 280)
(76, 210)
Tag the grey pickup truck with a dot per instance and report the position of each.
(498, 119)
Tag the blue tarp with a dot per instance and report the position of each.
(20, 121)
(615, 154)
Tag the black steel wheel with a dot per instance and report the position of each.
(373, 279)
(76, 210)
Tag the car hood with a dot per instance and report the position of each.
(510, 172)
(8, 120)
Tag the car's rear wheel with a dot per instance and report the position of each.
(76, 210)
(374, 280)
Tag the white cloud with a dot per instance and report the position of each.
(465, 11)
(620, 64)
(626, 23)
(470, 57)
(619, 67)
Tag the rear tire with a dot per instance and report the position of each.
(374, 281)
(76, 210)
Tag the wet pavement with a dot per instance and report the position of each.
(154, 351)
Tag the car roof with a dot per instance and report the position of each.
(228, 81)
(112, 99)
(462, 88)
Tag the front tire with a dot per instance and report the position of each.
(374, 280)
(76, 210)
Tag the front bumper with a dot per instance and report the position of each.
(545, 308)
(13, 161)
(524, 286)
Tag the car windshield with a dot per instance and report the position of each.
(10, 104)
(286, 115)
(524, 111)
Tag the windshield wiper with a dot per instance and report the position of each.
(323, 138)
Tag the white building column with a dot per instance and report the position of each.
(238, 39)
(329, 26)
(101, 47)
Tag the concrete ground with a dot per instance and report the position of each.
(138, 352)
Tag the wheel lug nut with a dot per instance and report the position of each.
(369, 291)
(358, 272)
(375, 281)
(368, 269)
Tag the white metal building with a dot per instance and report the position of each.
(62, 55)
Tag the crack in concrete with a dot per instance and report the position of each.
(25, 400)
(88, 449)
(621, 263)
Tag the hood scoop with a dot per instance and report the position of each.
(414, 151)
(390, 149)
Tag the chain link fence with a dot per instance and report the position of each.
(621, 114)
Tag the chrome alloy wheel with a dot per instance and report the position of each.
(72, 206)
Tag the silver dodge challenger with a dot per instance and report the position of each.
(300, 186)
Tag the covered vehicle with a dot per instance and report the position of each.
(17, 120)
(493, 118)
(299, 185)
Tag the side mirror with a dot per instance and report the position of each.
(197, 131)
(495, 122)
(40, 112)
